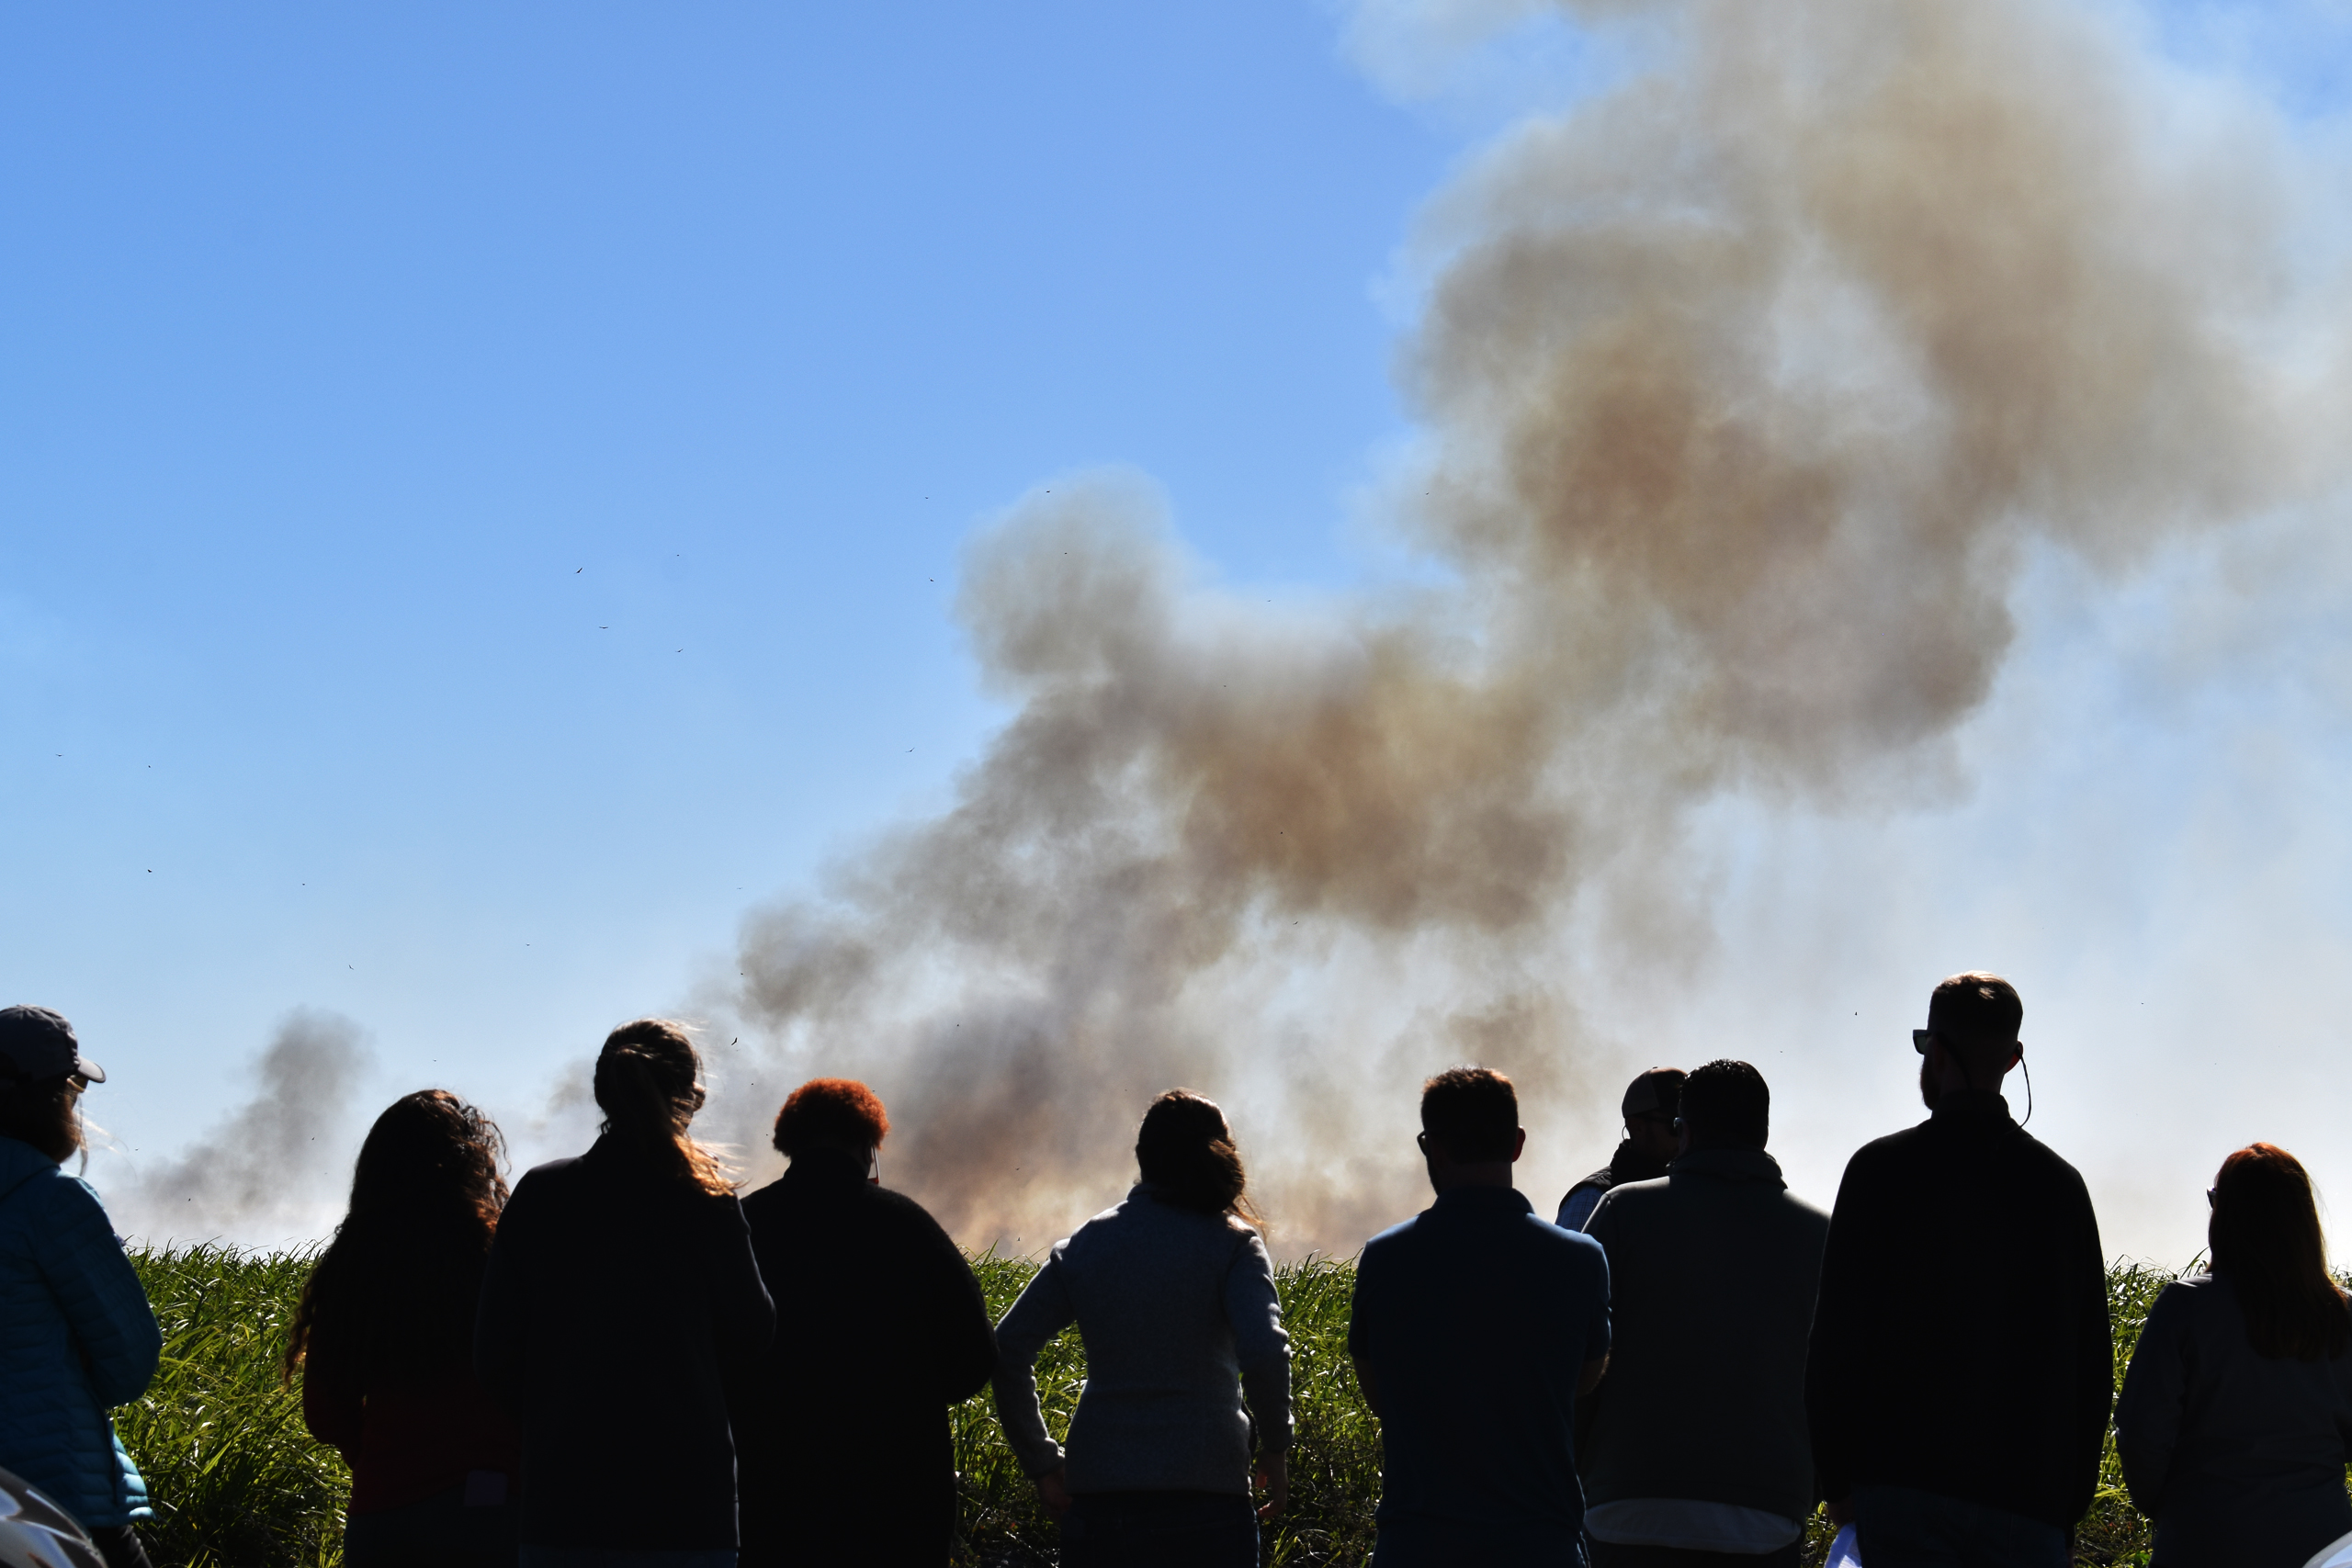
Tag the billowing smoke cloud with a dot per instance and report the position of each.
(277, 1167)
(1744, 385)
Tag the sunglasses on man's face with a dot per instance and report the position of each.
(1919, 1038)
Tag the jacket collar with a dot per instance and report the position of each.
(1732, 1164)
(1483, 1200)
(20, 1163)
(825, 1167)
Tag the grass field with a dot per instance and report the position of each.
(238, 1483)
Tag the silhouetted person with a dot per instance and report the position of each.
(1694, 1448)
(1649, 1143)
(622, 1313)
(1476, 1326)
(77, 1336)
(844, 1455)
(384, 1335)
(1960, 1369)
(2235, 1423)
(1173, 1294)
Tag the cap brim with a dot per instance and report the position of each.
(88, 1070)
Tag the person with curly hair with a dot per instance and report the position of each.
(622, 1315)
(384, 1341)
(845, 1454)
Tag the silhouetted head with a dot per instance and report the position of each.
(1649, 1108)
(1726, 1105)
(1972, 1034)
(1185, 1152)
(1472, 1114)
(2265, 1239)
(44, 1112)
(42, 1075)
(648, 1085)
(831, 1113)
(397, 1283)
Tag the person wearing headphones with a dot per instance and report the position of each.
(1960, 1368)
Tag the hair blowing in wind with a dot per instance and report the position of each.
(1744, 385)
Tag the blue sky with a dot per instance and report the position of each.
(482, 488)
(481, 494)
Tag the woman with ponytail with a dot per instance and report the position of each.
(2236, 1422)
(1173, 1294)
(621, 1316)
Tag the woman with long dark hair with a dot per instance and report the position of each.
(77, 1336)
(621, 1316)
(1173, 1294)
(384, 1339)
(2235, 1421)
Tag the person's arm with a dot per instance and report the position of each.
(1362, 1318)
(1598, 1331)
(742, 1315)
(962, 1338)
(1830, 1367)
(334, 1406)
(1042, 1311)
(2155, 1391)
(82, 1262)
(2095, 1394)
(502, 1319)
(1263, 1347)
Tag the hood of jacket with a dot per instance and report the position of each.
(20, 1163)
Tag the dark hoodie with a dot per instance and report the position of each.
(1960, 1339)
(880, 1327)
(621, 1315)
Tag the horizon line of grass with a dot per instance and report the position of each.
(237, 1480)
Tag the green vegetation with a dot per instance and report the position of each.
(238, 1483)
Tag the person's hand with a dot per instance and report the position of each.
(1273, 1474)
(1841, 1510)
(1053, 1490)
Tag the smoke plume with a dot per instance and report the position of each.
(1743, 385)
(276, 1166)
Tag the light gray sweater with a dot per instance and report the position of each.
(1178, 1312)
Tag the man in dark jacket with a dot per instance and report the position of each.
(1649, 1143)
(846, 1455)
(1696, 1452)
(1961, 1365)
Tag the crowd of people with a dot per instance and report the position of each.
(622, 1363)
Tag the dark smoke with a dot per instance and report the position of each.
(279, 1165)
(1744, 385)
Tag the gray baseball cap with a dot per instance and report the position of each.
(37, 1042)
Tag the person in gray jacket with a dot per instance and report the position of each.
(1173, 1294)
(1696, 1450)
(2236, 1422)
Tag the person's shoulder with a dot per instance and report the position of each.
(1398, 1237)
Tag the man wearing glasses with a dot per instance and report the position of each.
(1961, 1367)
(1650, 1143)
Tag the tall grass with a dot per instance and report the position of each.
(238, 1482)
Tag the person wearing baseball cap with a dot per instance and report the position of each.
(1961, 1362)
(1650, 1142)
(77, 1336)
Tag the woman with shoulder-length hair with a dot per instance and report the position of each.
(77, 1336)
(1173, 1294)
(384, 1339)
(621, 1314)
(2235, 1420)
(846, 1456)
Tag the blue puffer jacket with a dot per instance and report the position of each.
(77, 1338)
